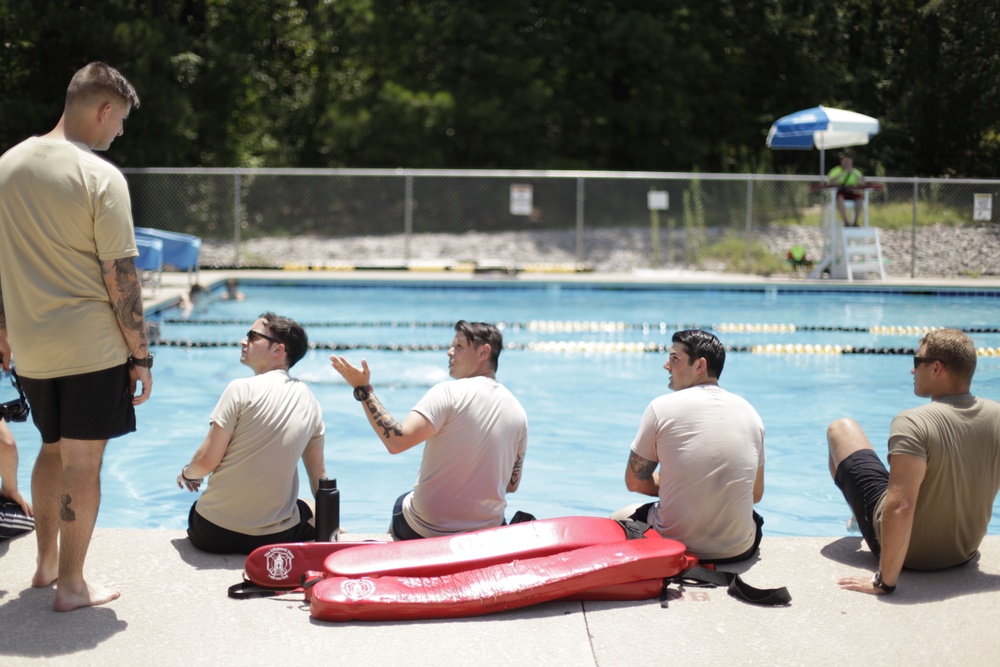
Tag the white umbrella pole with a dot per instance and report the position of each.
(822, 162)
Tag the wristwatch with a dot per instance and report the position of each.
(145, 362)
(878, 583)
(363, 392)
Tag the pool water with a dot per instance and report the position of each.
(583, 404)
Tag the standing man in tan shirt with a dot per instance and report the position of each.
(71, 304)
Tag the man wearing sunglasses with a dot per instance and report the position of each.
(931, 508)
(260, 429)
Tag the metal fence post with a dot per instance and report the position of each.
(746, 244)
(913, 234)
(407, 214)
(579, 219)
(237, 206)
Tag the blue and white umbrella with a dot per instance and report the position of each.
(821, 127)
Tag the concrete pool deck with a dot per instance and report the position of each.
(174, 609)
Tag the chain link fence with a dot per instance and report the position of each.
(585, 220)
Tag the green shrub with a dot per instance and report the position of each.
(731, 252)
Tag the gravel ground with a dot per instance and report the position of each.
(942, 251)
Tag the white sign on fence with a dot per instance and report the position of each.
(658, 200)
(520, 200)
(982, 207)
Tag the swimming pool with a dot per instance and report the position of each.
(571, 360)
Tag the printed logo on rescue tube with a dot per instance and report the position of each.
(356, 589)
(279, 563)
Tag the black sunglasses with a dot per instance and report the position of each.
(923, 360)
(254, 335)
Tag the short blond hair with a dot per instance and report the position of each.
(100, 83)
(956, 351)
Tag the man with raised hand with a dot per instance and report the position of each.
(71, 302)
(476, 433)
(931, 508)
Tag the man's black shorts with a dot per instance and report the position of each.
(215, 539)
(88, 406)
(863, 479)
(398, 528)
(641, 513)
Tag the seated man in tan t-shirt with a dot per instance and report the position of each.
(946, 454)
(260, 429)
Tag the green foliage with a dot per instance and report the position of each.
(900, 216)
(730, 254)
(694, 220)
(648, 85)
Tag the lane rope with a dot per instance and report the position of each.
(589, 347)
(592, 326)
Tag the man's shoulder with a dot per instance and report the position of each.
(475, 390)
(272, 383)
(99, 165)
(702, 398)
(946, 409)
(267, 380)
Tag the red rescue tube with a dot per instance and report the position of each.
(643, 589)
(455, 553)
(283, 565)
(495, 588)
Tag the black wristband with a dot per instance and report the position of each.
(145, 362)
(185, 477)
(878, 583)
(363, 392)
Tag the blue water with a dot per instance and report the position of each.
(583, 407)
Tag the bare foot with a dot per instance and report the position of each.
(90, 596)
(44, 576)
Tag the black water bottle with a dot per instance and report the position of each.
(327, 510)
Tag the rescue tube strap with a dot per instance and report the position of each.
(739, 589)
(634, 530)
(247, 590)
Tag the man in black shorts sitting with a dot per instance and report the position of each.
(945, 454)
(259, 430)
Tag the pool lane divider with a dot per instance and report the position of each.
(608, 326)
(590, 347)
(443, 265)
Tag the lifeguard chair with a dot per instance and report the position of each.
(848, 252)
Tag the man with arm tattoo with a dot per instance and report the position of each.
(700, 451)
(72, 307)
(476, 433)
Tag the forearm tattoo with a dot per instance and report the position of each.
(381, 418)
(66, 512)
(515, 475)
(641, 468)
(129, 306)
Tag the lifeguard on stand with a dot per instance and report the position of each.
(849, 250)
(847, 180)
